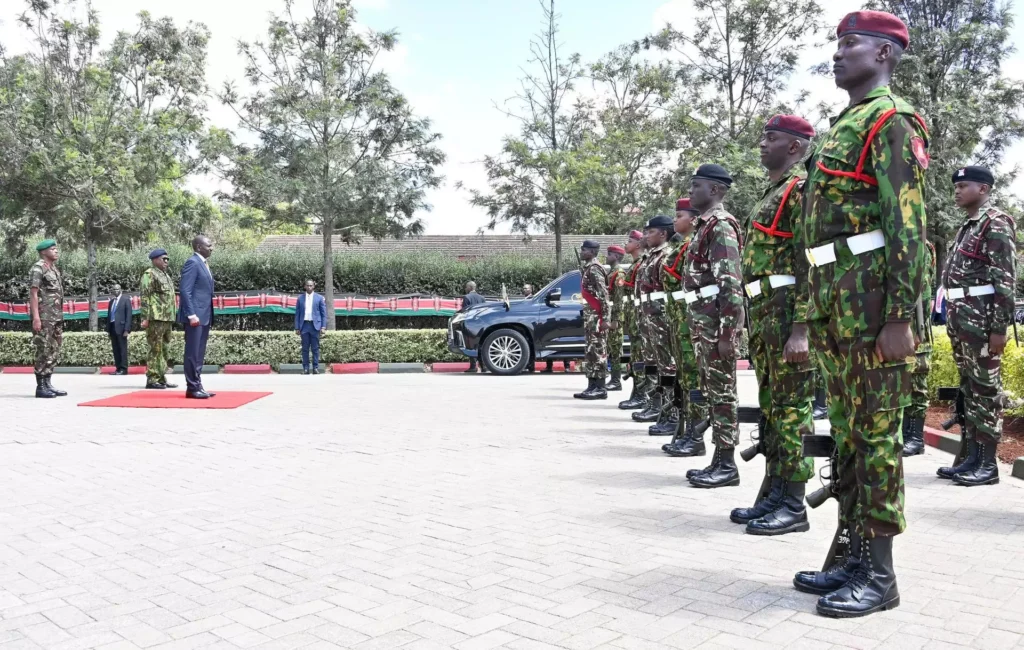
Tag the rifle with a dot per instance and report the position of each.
(754, 415)
(816, 446)
(954, 394)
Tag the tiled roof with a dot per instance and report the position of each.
(462, 246)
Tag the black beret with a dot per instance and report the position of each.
(661, 221)
(590, 243)
(715, 173)
(974, 173)
(158, 253)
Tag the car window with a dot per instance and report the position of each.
(569, 283)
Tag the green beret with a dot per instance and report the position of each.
(46, 243)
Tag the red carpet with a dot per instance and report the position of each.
(175, 399)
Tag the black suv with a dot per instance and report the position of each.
(509, 335)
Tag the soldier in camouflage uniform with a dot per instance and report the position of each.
(864, 235)
(658, 343)
(618, 315)
(980, 278)
(158, 315)
(913, 415)
(642, 387)
(595, 321)
(775, 281)
(689, 438)
(713, 287)
(46, 302)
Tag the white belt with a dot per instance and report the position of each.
(656, 295)
(858, 244)
(678, 295)
(636, 302)
(776, 281)
(960, 294)
(704, 292)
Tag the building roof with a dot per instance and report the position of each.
(461, 246)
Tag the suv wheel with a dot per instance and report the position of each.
(506, 352)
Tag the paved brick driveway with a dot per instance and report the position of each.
(442, 511)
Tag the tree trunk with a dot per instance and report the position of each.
(328, 232)
(90, 247)
(558, 241)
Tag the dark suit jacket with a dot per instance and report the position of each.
(472, 300)
(196, 291)
(319, 311)
(121, 320)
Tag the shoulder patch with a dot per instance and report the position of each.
(920, 151)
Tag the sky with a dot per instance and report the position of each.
(456, 59)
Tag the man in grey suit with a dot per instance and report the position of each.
(119, 325)
(195, 312)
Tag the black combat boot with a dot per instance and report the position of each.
(872, 588)
(588, 389)
(820, 407)
(684, 430)
(42, 390)
(987, 470)
(913, 436)
(725, 474)
(58, 393)
(597, 392)
(789, 516)
(615, 383)
(654, 406)
(693, 473)
(637, 398)
(693, 445)
(668, 419)
(969, 465)
(837, 575)
(762, 507)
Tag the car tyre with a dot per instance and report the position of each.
(505, 352)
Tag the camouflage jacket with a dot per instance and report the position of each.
(984, 252)
(157, 293)
(672, 271)
(770, 247)
(47, 278)
(649, 276)
(618, 294)
(633, 277)
(594, 283)
(868, 175)
(713, 259)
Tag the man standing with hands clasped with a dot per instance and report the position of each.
(119, 326)
(196, 314)
(157, 293)
(310, 323)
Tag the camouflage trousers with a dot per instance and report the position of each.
(717, 376)
(47, 342)
(980, 380)
(919, 386)
(158, 335)
(595, 358)
(686, 361)
(660, 339)
(785, 391)
(616, 337)
(866, 399)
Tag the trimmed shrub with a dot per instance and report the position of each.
(944, 372)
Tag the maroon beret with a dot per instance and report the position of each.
(684, 204)
(791, 124)
(875, 23)
(615, 248)
(636, 235)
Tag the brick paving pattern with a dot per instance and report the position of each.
(440, 511)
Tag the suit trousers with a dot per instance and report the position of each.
(310, 344)
(195, 354)
(120, 346)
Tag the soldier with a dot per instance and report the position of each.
(618, 314)
(664, 405)
(595, 321)
(864, 233)
(689, 438)
(979, 278)
(775, 281)
(713, 294)
(913, 415)
(46, 302)
(158, 315)
(642, 386)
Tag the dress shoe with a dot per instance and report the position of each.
(872, 588)
(969, 463)
(837, 575)
(42, 390)
(121, 372)
(762, 507)
(789, 515)
(316, 371)
(726, 474)
(987, 470)
(913, 436)
(58, 393)
(199, 394)
(305, 371)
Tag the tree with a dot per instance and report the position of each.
(337, 146)
(546, 176)
(94, 135)
(740, 54)
(952, 74)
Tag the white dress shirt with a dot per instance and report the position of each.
(309, 307)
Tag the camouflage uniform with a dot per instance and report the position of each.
(923, 364)
(712, 264)
(595, 312)
(682, 347)
(47, 341)
(874, 190)
(157, 293)
(640, 353)
(659, 343)
(620, 312)
(983, 253)
(775, 279)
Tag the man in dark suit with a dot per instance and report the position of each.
(310, 323)
(119, 325)
(195, 312)
(470, 300)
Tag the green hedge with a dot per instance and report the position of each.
(385, 346)
(286, 271)
(944, 372)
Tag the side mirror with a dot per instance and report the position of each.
(555, 295)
